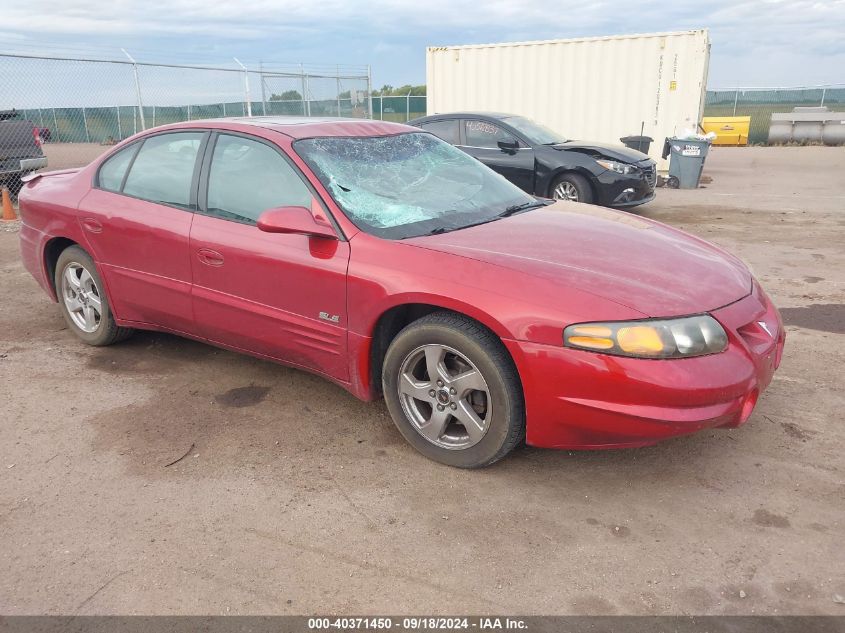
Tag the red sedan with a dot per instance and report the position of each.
(395, 265)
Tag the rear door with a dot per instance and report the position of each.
(279, 295)
(481, 140)
(137, 222)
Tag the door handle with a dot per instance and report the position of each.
(210, 257)
(91, 225)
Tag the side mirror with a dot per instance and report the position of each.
(509, 146)
(293, 220)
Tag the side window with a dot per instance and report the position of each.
(248, 177)
(113, 170)
(484, 134)
(447, 130)
(164, 168)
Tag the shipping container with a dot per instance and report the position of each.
(597, 88)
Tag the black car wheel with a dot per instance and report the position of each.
(573, 188)
(453, 391)
(84, 305)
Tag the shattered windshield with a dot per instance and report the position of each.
(408, 184)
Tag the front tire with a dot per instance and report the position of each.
(453, 391)
(83, 300)
(573, 188)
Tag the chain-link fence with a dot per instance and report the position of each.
(758, 103)
(302, 91)
(69, 110)
(761, 103)
(399, 109)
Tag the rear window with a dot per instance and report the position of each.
(114, 169)
(447, 130)
(164, 168)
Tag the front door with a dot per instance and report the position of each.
(481, 140)
(137, 222)
(279, 295)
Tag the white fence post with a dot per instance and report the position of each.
(338, 90)
(246, 87)
(263, 89)
(85, 125)
(369, 91)
(304, 88)
(137, 89)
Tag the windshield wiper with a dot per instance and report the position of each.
(516, 208)
(507, 212)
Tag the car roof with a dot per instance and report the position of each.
(306, 127)
(462, 115)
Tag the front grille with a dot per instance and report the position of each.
(650, 175)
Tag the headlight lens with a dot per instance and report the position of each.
(620, 168)
(654, 338)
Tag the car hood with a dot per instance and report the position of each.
(644, 265)
(610, 151)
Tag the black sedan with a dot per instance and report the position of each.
(543, 163)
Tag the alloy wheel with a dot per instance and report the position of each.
(444, 396)
(565, 191)
(82, 298)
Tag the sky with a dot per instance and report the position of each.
(755, 43)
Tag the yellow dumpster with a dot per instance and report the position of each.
(730, 130)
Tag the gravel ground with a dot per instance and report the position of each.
(296, 498)
(66, 155)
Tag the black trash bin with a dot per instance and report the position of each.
(639, 143)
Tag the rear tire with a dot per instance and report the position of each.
(476, 414)
(572, 187)
(83, 301)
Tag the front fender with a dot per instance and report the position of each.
(552, 163)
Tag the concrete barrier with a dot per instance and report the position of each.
(808, 125)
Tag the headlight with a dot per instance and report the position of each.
(620, 168)
(653, 338)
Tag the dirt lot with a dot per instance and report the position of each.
(296, 498)
(66, 155)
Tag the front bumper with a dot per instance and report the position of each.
(628, 200)
(583, 400)
(620, 190)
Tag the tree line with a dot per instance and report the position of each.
(385, 91)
